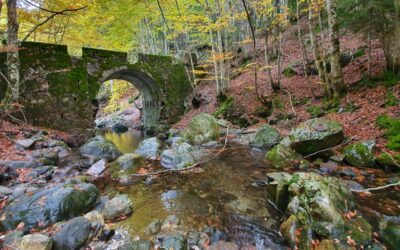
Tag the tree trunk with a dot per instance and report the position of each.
(317, 51)
(394, 64)
(303, 50)
(338, 88)
(13, 62)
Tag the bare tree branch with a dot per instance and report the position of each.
(55, 13)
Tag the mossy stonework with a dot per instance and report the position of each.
(58, 90)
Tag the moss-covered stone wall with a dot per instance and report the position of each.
(58, 90)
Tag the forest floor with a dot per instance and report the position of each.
(360, 123)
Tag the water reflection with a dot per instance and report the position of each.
(126, 142)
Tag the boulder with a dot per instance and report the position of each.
(130, 161)
(11, 239)
(201, 129)
(73, 235)
(176, 242)
(118, 206)
(35, 242)
(223, 245)
(153, 228)
(265, 138)
(26, 143)
(49, 205)
(391, 236)
(97, 168)
(315, 135)
(96, 221)
(181, 156)
(282, 156)
(20, 164)
(171, 222)
(316, 204)
(100, 148)
(149, 148)
(360, 154)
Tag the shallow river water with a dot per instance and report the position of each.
(221, 194)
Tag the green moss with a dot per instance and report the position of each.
(391, 100)
(359, 53)
(263, 111)
(315, 111)
(392, 126)
(388, 161)
(289, 72)
(228, 110)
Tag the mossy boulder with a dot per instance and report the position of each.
(265, 137)
(100, 148)
(360, 154)
(35, 242)
(385, 160)
(316, 205)
(281, 156)
(202, 129)
(130, 161)
(391, 236)
(149, 148)
(182, 155)
(315, 135)
(48, 206)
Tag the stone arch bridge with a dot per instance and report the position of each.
(58, 90)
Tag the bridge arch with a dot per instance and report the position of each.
(147, 87)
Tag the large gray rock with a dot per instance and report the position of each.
(317, 205)
(149, 148)
(130, 161)
(97, 223)
(201, 129)
(11, 239)
(281, 156)
(20, 164)
(360, 154)
(181, 156)
(35, 242)
(265, 138)
(316, 134)
(48, 206)
(116, 207)
(176, 242)
(26, 143)
(100, 148)
(97, 168)
(73, 235)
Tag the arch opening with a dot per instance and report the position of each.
(149, 94)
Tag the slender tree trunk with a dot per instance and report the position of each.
(267, 61)
(317, 50)
(337, 84)
(13, 62)
(369, 54)
(395, 64)
(324, 52)
(303, 50)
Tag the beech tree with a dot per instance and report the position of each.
(13, 62)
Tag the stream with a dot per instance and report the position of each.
(223, 195)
